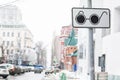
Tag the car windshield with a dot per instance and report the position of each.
(2, 67)
(38, 66)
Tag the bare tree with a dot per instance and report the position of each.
(3, 48)
(41, 53)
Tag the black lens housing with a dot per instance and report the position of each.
(81, 19)
(94, 19)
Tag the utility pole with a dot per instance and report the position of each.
(91, 49)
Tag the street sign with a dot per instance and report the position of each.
(91, 17)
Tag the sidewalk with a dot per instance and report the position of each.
(72, 76)
(57, 76)
(51, 77)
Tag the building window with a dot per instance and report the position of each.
(12, 44)
(18, 34)
(8, 43)
(12, 34)
(3, 34)
(10, 17)
(3, 43)
(101, 62)
(8, 34)
(81, 52)
(11, 51)
(7, 51)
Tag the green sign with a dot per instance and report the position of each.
(71, 40)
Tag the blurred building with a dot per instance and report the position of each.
(106, 44)
(56, 50)
(15, 37)
(59, 48)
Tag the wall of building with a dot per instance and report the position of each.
(108, 44)
(56, 50)
(111, 45)
(114, 6)
(58, 45)
(106, 41)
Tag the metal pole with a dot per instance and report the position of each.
(91, 49)
(91, 55)
(89, 3)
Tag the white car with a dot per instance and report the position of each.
(4, 72)
(10, 67)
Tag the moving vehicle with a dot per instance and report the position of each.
(4, 72)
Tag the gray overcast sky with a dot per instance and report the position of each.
(42, 17)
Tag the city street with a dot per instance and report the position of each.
(26, 76)
(59, 39)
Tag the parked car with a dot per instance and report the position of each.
(14, 69)
(31, 68)
(10, 67)
(49, 70)
(27, 68)
(22, 69)
(19, 70)
(38, 68)
(4, 72)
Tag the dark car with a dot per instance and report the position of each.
(38, 68)
(19, 69)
